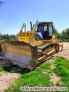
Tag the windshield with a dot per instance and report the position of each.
(50, 29)
(41, 27)
(45, 28)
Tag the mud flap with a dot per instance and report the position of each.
(20, 53)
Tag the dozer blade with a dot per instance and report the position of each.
(20, 53)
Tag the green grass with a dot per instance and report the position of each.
(1, 69)
(8, 68)
(1, 40)
(38, 78)
(33, 78)
(62, 70)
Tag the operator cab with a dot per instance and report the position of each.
(44, 31)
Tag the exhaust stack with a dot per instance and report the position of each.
(25, 28)
(30, 25)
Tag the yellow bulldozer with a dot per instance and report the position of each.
(32, 47)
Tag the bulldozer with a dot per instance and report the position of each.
(33, 46)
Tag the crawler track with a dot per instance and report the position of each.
(47, 50)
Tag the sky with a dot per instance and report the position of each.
(13, 13)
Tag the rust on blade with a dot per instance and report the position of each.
(20, 53)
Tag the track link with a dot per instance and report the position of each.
(47, 50)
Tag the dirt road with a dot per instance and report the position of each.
(65, 52)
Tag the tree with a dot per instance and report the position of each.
(56, 33)
(65, 34)
(67, 31)
(12, 37)
(6, 36)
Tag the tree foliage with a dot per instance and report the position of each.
(5, 36)
(8, 37)
(56, 33)
(65, 34)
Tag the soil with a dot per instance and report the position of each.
(6, 79)
(65, 52)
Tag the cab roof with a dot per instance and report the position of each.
(45, 22)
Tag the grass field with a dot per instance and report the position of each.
(62, 70)
(1, 69)
(33, 78)
(1, 40)
(40, 77)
